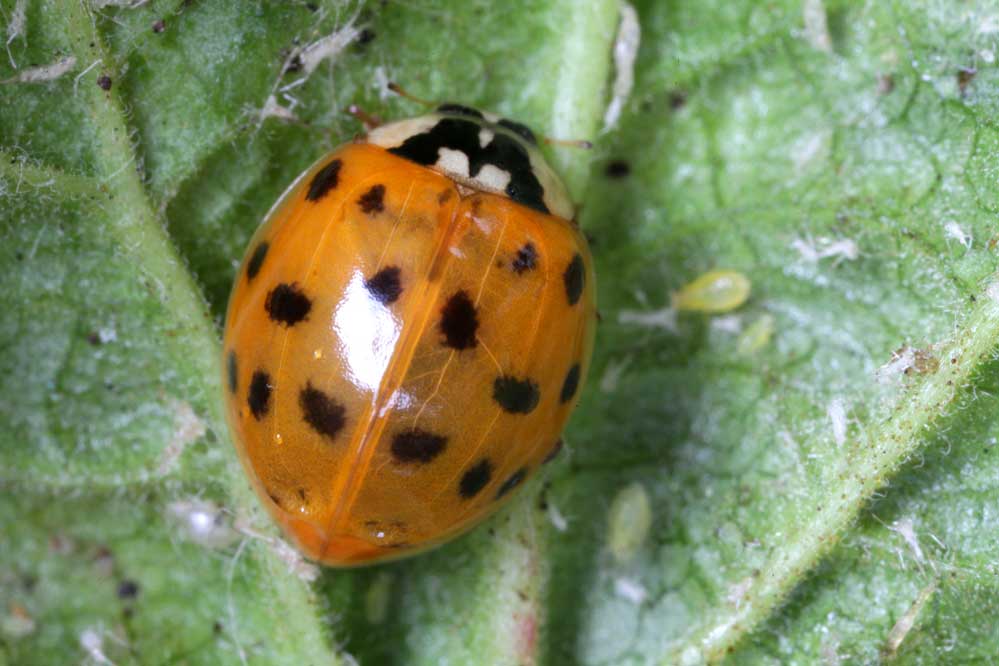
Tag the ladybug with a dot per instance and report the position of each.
(407, 335)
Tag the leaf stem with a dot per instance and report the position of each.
(893, 440)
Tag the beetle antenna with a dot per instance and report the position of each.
(399, 90)
(569, 143)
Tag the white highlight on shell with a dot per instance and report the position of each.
(629, 36)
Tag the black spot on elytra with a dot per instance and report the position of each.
(523, 131)
(385, 286)
(517, 396)
(373, 201)
(504, 152)
(257, 260)
(232, 370)
(512, 482)
(556, 449)
(617, 169)
(575, 278)
(459, 321)
(128, 589)
(325, 180)
(526, 259)
(287, 304)
(570, 384)
(475, 478)
(321, 411)
(417, 446)
(459, 110)
(259, 397)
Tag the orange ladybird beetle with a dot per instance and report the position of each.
(407, 335)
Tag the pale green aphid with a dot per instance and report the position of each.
(714, 291)
(629, 520)
(756, 336)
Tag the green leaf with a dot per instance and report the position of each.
(819, 464)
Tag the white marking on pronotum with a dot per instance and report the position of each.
(491, 177)
(629, 35)
(485, 137)
(454, 162)
(44, 72)
(837, 415)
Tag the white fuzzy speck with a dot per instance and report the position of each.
(727, 324)
(899, 362)
(629, 35)
(630, 590)
(737, 592)
(188, 428)
(955, 231)
(905, 529)
(201, 522)
(837, 415)
(555, 517)
(44, 72)
(816, 26)
(327, 47)
(612, 374)
(93, 644)
(905, 623)
(840, 249)
(992, 291)
(15, 27)
(664, 318)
